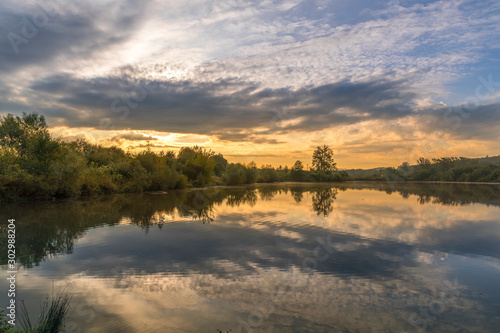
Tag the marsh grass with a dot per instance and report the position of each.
(52, 317)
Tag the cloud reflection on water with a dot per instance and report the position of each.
(158, 267)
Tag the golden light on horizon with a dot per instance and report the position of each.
(366, 147)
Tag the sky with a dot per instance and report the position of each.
(381, 82)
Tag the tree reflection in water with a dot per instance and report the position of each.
(297, 195)
(45, 229)
(322, 201)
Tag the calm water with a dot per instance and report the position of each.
(273, 258)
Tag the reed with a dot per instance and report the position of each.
(52, 317)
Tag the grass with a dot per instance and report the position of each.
(52, 317)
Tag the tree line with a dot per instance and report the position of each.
(33, 164)
(454, 169)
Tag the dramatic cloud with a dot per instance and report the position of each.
(261, 73)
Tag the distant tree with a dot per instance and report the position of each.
(187, 153)
(220, 164)
(267, 174)
(297, 171)
(219, 159)
(197, 164)
(323, 159)
(170, 154)
(405, 169)
(445, 163)
(404, 166)
(298, 166)
(424, 163)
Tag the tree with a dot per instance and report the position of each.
(197, 164)
(28, 137)
(26, 134)
(424, 163)
(297, 172)
(298, 166)
(404, 166)
(405, 169)
(220, 164)
(323, 159)
(323, 201)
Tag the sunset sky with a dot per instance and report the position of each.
(381, 82)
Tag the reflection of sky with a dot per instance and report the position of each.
(390, 257)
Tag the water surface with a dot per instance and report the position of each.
(359, 257)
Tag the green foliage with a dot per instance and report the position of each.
(4, 323)
(297, 171)
(35, 165)
(267, 174)
(452, 169)
(323, 159)
(220, 164)
(235, 174)
(198, 165)
(100, 155)
(98, 180)
(25, 134)
(27, 138)
(325, 169)
(457, 169)
(337, 176)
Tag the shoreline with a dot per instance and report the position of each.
(353, 182)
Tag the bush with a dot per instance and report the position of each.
(235, 174)
(267, 174)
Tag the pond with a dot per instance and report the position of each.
(354, 257)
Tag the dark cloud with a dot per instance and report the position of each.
(154, 146)
(235, 108)
(37, 36)
(471, 122)
(238, 111)
(266, 140)
(208, 108)
(246, 137)
(134, 137)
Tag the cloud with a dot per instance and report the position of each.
(257, 72)
(57, 34)
(238, 111)
(142, 146)
(133, 137)
(215, 106)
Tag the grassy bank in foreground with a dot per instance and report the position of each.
(51, 320)
(35, 165)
